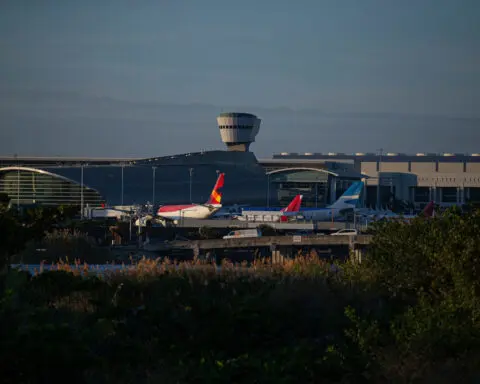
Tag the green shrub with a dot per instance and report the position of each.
(408, 313)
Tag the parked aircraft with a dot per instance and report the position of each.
(195, 211)
(372, 215)
(228, 212)
(348, 200)
(270, 215)
(428, 211)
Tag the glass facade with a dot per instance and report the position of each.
(386, 196)
(315, 186)
(175, 179)
(473, 195)
(312, 185)
(169, 180)
(421, 194)
(449, 194)
(34, 187)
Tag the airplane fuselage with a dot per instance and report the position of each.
(189, 211)
(322, 214)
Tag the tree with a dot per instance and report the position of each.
(17, 229)
(14, 235)
(426, 276)
(208, 233)
(4, 199)
(267, 230)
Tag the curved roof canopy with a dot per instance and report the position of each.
(293, 169)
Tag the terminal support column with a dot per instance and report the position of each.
(462, 195)
(364, 192)
(333, 189)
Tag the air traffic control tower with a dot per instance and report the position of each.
(238, 130)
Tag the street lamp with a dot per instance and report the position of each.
(123, 166)
(354, 218)
(268, 190)
(18, 183)
(153, 186)
(190, 170)
(81, 190)
(378, 178)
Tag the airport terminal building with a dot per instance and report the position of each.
(321, 178)
(448, 178)
(170, 179)
(162, 180)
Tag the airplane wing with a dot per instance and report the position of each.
(169, 219)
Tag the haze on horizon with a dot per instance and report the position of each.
(148, 79)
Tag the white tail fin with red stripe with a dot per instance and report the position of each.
(216, 195)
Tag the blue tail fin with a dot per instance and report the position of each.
(350, 197)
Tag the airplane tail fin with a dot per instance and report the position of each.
(216, 195)
(294, 205)
(350, 197)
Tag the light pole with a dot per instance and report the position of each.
(378, 178)
(153, 186)
(316, 194)
(81, 191)
(268, 190)
(190, 171)
(18, 183)
(392, 192)
(123, 166)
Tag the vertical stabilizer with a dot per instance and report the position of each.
(429, 210)
(294, 205)
(350, 197)
(216, 195)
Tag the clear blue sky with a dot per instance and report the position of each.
(375, 57)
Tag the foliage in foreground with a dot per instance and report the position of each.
(409, 312)
(19, 228)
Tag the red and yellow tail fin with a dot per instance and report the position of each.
(216, 195)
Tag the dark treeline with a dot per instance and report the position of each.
(408, 313)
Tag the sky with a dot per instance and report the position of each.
(124, 78)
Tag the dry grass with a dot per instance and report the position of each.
(76, 302)
(145, 268)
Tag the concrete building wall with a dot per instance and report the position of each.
(394, 167)
(441, 178)
(420, 167)
(455, 168)
(369, 168)
(448, 180)
(473, 168)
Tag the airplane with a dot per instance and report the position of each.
(428, 211)
(347, 201)
(271, 215)
(372, 215)
(228, 212)
(195, 211)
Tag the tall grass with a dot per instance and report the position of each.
(138, 269)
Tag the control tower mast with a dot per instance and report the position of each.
(238, 130)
